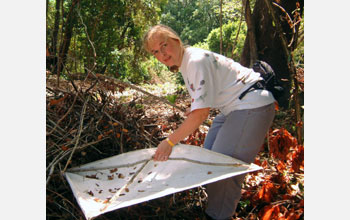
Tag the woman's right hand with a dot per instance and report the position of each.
(163, 151)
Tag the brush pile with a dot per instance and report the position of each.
(86, 121)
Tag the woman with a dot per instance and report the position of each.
(214, 81)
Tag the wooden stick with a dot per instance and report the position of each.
(77, 169)
(290, 20)
(79, 133)
(117, 194)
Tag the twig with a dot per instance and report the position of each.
(62, 155)
(75, 87)
(117, 194)
(79, 133)
(92, 86)
(209, 163)
(91, 143)
(58, 89)
(57, 126)
(250, 213)
(268, 140)
(53, 165)
(64, 116)
(50, 173)
(77, 169)
(65, 199)
(279, 29)
(88, 37)
(147, 134)
(121, 135)
(290, 20)
(51, 90)
(54, 160)
(281, 202)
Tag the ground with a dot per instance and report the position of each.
(98, 119)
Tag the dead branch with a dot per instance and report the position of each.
(290, 22)
(79, 133)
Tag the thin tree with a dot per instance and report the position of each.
(253, 53)
(220, 26)
(64, 47)
(55, 35)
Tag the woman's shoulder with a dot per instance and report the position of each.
(197, 51)
(197, 54)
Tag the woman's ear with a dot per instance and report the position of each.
(177, 40)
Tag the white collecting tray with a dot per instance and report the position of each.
(130, 178)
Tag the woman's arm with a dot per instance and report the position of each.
(191, 123)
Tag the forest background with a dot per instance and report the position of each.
(27, 64)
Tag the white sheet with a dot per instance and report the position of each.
(133, 177)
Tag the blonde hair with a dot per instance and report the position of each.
(164, 31)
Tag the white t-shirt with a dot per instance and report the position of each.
(216, 81)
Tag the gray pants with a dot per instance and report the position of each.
(240, 134)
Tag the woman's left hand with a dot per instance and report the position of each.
(163, 151)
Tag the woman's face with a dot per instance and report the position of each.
(166, 50)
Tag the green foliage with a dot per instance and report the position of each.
(192, 20)
(50, 19)
(171, 98)
(204, 45)
(125, 68)
(298, 53)
(231, 47)
(155, 67)
(157, 70)
(139, 106)
(113, 29)
(116, 30)
(161, 89)
(244, 203)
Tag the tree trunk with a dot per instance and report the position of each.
(269, 43)
(55, 35)
(91, 62)
(251, 54)
(47, 7)
(220, 26)
(291, 66)
(64, 47)
(238, 31)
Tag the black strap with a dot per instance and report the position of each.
(258, 85)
